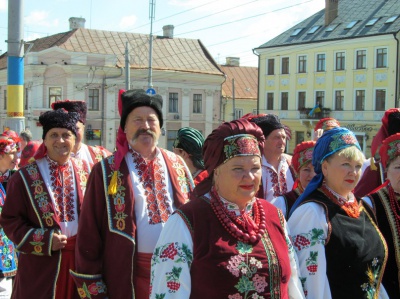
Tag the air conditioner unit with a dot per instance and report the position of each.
(176, 116)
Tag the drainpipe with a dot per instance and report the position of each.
(396, 100)
(104, 124)
(258, 87)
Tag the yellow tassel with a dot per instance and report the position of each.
(373, 166)
(112, 188)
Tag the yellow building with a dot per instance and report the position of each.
(343, 60)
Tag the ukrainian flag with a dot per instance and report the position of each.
(314, 110)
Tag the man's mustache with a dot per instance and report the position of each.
(144, 131)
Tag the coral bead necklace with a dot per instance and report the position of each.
(243, 227)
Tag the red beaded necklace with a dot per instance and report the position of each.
(394, 206)
(246, 229)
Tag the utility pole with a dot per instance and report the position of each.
(233, 99)
(15, 67)
(127, 68)
(151, 16)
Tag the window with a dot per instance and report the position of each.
(173, 102)
(270, 101)
(26, 99)
(5, 100)
(271, 66)
(360, 100)
(330, 28)
(320, 98)
(301, 100)
(313, 29)
(381, 57)
(296, 31)
(299, 137)
(380, 99)
(284, 101)
(320, 62)
(171, 136)
(371, 22)
(351, 24)
(340, 61)
(93, 99)
(302, 64)
(339, 99)
(197, 103)
(54, 95)
(391, 19)
(361, 59)
(285, 65)
(238, 113)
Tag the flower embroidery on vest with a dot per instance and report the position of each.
(246, 270)
(373, 273)
(62, 186)
(95, 288)
(152, 177)
(37, 243)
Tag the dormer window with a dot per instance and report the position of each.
(371, 22)
(330, 28)
(296, 31)
(391, 19)
(313, 29)
(351, 24)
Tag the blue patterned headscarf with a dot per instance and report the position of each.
(328, 144)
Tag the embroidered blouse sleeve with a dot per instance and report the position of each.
(171, 261)
(295, 287)
(309, 231)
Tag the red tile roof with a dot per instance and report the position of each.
(246, 82)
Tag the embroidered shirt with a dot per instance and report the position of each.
(63, 196)
(276, 182)
(152, 208)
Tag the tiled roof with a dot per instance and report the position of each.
(349, 10)
(246, 82)
(181, 54)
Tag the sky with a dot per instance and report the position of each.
(227, 28)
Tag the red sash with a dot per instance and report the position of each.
(65, 287)
(141, 279)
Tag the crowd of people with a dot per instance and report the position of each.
(228, 215)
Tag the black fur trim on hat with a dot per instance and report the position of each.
(135, 98)
(72, 106)
(268, 123)
(59, 118)
(393, 123)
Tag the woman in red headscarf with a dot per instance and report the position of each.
(226, 243)
(302, 165)
(386, 202)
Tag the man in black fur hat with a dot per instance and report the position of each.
(42, 213)
(277, 175)
(91, 154)
(128, 200)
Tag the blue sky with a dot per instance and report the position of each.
(225, 27)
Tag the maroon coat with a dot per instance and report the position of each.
(106, 241)
(29, 220)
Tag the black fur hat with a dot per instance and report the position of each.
(72, 106)
(267, 123)
(135, 98)
(59, 118)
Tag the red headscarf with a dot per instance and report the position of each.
(385, 130)
(213, 150)
(326, 123)
(302, 154)
(390, 149)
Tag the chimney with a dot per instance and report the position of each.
(331, 10)
(168, 31)
(75, 23)
(233, 61)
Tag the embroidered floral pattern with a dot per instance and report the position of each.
(240, 145)
(152, 177)
(180, 254)
(37, 241)
(278, 181)
(62, 186)
(313, 237)
(119, 204)
(339, 140)
(312, 263)
(95, 288)
(372, 273)
(246, 270)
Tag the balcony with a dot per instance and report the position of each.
(305, 113)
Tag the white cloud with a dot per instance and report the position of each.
(127, 22)
(3, 5)
(41, 18)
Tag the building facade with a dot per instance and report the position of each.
(343, 61)
(89, 65)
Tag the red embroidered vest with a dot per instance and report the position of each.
(224, 267)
